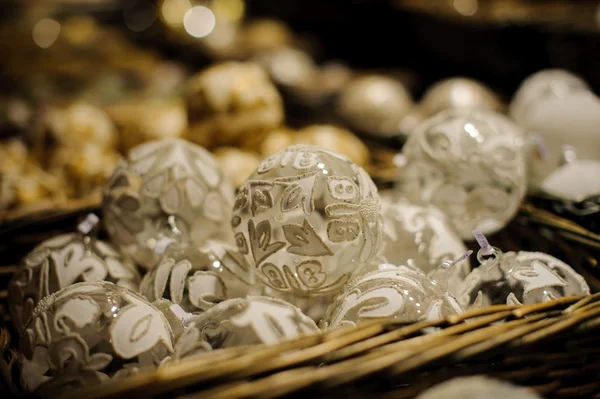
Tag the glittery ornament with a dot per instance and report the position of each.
(394, 293)
(478, 387)
(228, 100)
(62, 261)
(421, 237)
(307, 219)
(470, 164)
(166, 188)
(516, 278)
(88, 333)
(374, 104)
(196, 278)
(252, 320)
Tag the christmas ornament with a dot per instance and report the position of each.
(62, 261)
(478, 387)
(229, 100)
(196, 278)
(550, 117)
(314, 308)
(252, 320)
(393, 293)
(458, 93)
(374, 104)
(307, 219)
(421, 237)
(517, 278)
(336, 139)
(78, 124)
(574, 181)
(548, 83)
(88, 333)
(236, 164)
(166, 188)
(470, 164)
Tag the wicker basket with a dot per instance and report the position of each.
(552, 347)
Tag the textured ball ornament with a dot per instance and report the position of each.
(88, 333)
(60, 262)
(166, 188)
(252, 320)
(374, 104)
(470, 164)
(421, 237)
(230, 100)
(396, 293)
(307, 219)
(196, 278)
(516, 278)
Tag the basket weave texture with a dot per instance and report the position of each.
(552, 347)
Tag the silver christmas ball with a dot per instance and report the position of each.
(470, 164)
(396, 293)
(60, 262)
(516, 278)
(458, 93)
(421, 237)
(252, 320)
(307, 219)
(196, 278)
(374, 104)
(88, 333)
(166, 188)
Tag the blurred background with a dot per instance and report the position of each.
(83, 81)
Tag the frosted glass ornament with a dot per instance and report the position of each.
(252, 320)
(516, 278)
(394, 293)
(470, 164)
(307, 219)
(60, 262)
(166, 188)
(88, 333)
(196, 278)
(421, 237)
(574, 181)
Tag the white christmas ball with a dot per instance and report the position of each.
(477, 387)
(421, 237)
(252, 320)
(396, 293)
(166, 188)
(547, 83)
(88, 333)
(196, 278)
(567, 127)
(62, 261)
(516, 278)
(470, 164)
(307, 219)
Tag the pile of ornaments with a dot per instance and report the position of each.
(191, 266)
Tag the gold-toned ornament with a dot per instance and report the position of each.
(231, 99)
(336, 139)
(236, 164)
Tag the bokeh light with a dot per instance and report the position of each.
(139, 16)
(45, 32)
(231, 10)
(199, 21)
(173, 11)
